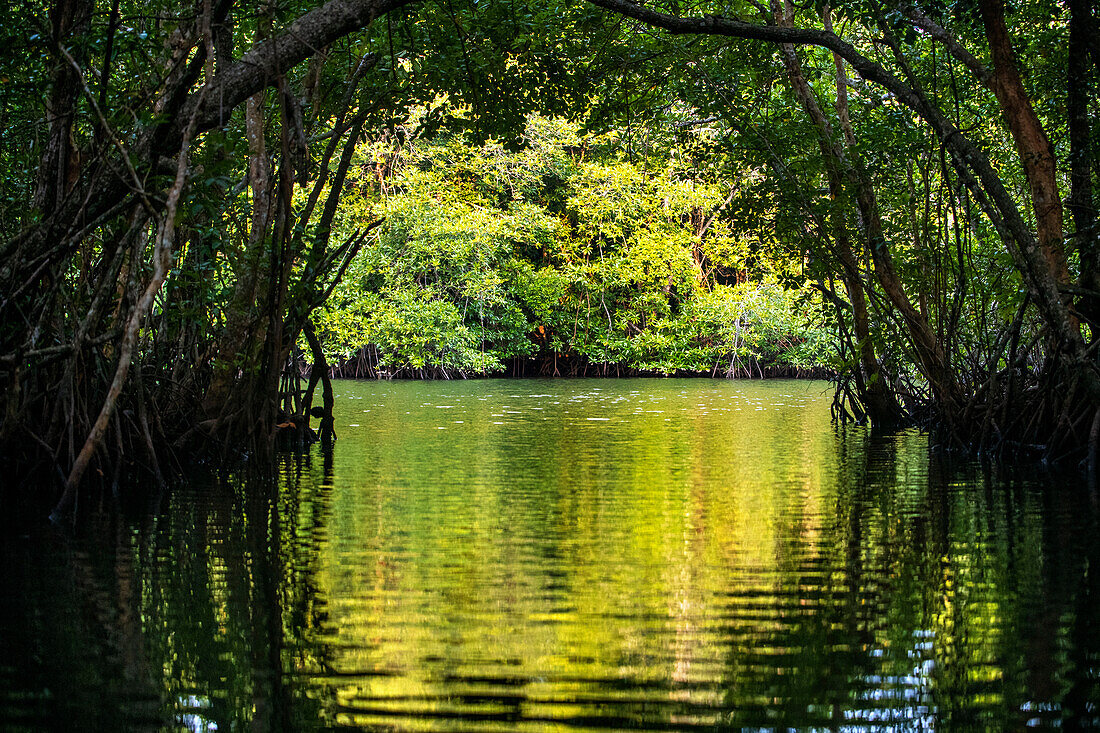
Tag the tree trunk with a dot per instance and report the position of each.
(878, 399)
(1032, 143)
(1081, 206)
(162, 261)
(58, 167)
(320, 371)
(242, 323)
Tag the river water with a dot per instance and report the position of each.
(552, 555)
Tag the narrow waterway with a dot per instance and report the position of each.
(545, 555)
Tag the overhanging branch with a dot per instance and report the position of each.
(1022, 245)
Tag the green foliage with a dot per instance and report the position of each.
(559, 249)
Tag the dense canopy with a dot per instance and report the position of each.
(204, 202)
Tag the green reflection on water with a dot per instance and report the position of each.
(579, 554)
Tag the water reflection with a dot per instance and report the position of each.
(551, 555)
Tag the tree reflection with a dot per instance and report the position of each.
(956, 597)
(718, 568)
(198, 616)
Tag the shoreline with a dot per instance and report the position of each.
(557, 366)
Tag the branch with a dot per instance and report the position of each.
(162, 261)
(939, 33)
(1023, 246)
(258, 69)
(261, 65)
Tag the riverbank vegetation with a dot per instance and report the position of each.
(199, 198)
(573, 254)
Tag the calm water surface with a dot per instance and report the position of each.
(573, 555)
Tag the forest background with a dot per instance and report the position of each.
(573, 254)
(203, 199)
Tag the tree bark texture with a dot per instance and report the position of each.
(1032, 143)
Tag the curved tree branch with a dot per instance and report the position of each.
(257, 69)
(1023, 245)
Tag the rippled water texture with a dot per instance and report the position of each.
(571, 555)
